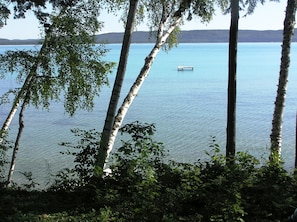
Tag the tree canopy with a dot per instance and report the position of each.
(68, 60)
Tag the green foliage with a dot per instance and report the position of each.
(31, 182)
(145, 186)
(160, 11)
(20, 7)
(4, 14)
(218, 193)
(5, 97)
(104, 215)
(156, 12)
(248, 6)
(134, 183)
(272, 194)
(203, 9)
(68, 63)
(84, 159)
(17, 62)
(172, 40)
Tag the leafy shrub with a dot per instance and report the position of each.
(272, 194)
(84, 158)
(213, 189)
(145, 186)
(135, 173)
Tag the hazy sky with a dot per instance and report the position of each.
(267, 17)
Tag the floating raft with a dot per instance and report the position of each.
(185, 68)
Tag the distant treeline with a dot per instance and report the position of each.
(194, 36)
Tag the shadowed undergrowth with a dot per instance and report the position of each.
(145, 186)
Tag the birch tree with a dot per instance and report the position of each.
(67, 63)
(279, 104)
(116, 91)
(19, 9)
(165, 18)
(17, 140)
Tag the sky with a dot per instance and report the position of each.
(269, 16)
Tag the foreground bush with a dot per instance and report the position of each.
(145, 186)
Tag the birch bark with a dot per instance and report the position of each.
(21, 93)
(276, 131)
(110, 116)
(161, 39)
(17, 141)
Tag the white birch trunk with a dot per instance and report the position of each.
(23, 94)
(116, 91)
(276, 131)
(9, 119)
(15, 106)
(25, 87)
(17, 142)
(161, 39)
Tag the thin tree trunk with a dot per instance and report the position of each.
(139, 81)
(17, 141)
(20, 95)
(295, 145)
(23, 94)
(231, 114)
(276, 131)
(109, 121)
(8, 120)
(15, 106)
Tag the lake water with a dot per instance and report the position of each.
(188, 107)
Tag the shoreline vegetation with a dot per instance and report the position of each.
(143, 185)
(137, 180)
(193, 36)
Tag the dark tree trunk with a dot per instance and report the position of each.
(231, 113)
(111, 112)
(18, 138)
(296, 144)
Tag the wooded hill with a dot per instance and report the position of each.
(194, 36)
(202, 36)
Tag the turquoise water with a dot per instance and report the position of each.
(187, 107)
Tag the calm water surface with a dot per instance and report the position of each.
(187, 107)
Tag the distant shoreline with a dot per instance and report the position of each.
(193, 36)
